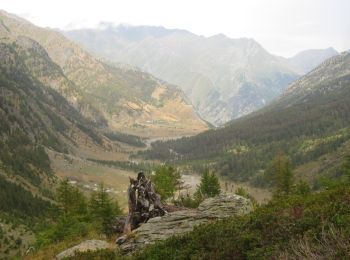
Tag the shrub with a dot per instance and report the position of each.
(267, 232)
(166, 180)
(187, 201)
(209, 185)
(103, 210)
(245, 194)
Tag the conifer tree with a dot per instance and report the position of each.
(166, 180)
(209, 185)
(70, 199)
(103, 210)
(282, 175)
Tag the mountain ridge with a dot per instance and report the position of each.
(310, 123)
(224, 78)
(304, 61)
(103, 90)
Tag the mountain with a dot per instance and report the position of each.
(224, 78)
(118, 97)
(35, 118)
(305, 61)
(310, 123)
(59, 105)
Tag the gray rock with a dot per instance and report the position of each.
(179, 222)
(92, 245)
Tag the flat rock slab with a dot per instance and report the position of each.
(92, 245)
(179, 222)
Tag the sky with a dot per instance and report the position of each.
(283, 27)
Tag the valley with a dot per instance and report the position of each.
(224, 78)
(245, 153)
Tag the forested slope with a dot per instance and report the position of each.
(310, 120)
(34, 117)
(118, 97)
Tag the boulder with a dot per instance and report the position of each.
(179, 222)
(88, 245)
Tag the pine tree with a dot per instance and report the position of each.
(166, 180)
(103, 210)
(282, 175)
(209, 185)
(70, 199)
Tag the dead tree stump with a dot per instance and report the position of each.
(144, 203)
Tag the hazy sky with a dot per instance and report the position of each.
(283, 27)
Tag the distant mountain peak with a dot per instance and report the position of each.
(306, 60)
(117, 96)
(224, 78)
(330, 69)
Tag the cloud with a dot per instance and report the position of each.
(282, 27)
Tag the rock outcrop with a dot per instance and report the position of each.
(88, 245)
(179, 222)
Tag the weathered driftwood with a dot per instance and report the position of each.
(144, 203)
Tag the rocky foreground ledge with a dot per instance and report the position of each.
(174, 223)
(179, 222)
(88, 245)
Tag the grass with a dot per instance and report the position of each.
(15, 239)
(282, 227)
(52, 250)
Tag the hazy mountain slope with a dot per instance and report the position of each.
(310, 120)
(34, 117)
(224, 78)
(125, 98)
(305, 61)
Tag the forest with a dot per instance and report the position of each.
(304, 131)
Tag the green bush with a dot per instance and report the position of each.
(188, 201)
(209, 185)
(103, 210)
(265, 233)
(245, 194)
(75, 218)
(166, 180)
(67, 227)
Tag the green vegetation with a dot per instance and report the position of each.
(279, 173)
(17, 201)
(245, 194)
(33, 115)
(126, 138)
(209, 185)
(306, 125)
(77, 217)
(188, 201)
(293, 226)
(166, 180)
(103, 210)
(270, 231)
(127, 165)
(70, 199)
